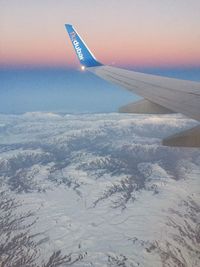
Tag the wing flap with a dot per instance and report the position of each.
(145, 107)
(188, 138)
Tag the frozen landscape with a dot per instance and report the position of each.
(98, 189)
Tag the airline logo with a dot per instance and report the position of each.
(76, 46)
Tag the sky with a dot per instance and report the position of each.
(132, 33)
(39, 70)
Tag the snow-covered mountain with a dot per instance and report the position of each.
(104, 186)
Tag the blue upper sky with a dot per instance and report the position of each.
(68, 91)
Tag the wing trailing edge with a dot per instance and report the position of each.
(181, 96)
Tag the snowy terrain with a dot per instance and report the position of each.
(104, 186)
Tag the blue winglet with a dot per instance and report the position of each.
(85, 56)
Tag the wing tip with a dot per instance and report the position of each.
(85, 56)
(68, 26)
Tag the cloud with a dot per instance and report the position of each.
(98, 179)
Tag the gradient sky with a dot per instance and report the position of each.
(119, 32)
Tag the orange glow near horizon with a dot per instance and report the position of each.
(64, 56)
(145, 34)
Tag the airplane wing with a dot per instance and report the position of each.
(161, 95)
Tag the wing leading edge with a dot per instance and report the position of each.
(161, 94)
